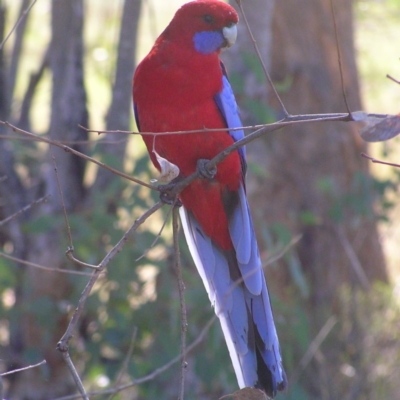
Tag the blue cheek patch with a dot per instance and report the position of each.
(207, 42)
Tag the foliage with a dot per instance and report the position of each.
(141, 292)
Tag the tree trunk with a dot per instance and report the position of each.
(41, 310)
(316, 169)
(120, 111)
(44, 294)
(313, 180)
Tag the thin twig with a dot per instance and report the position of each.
(125, 364)
(266, 73)
(69, 142)
(157, 236)
(75, 152)
(181, 288)
(393, 79)
(287, 119)
(158, 371)
(23, 15)
(24, 209)
(339, 58)
(352, 256)
(376, 161)
(314, 347)
(63, 343)
(42, 267)
(60, 192)
(70, 255)
(154, 374)
(70, 249)
(273, 258)
(75, 374)
(14, 371)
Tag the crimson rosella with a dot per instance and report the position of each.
(182, 85)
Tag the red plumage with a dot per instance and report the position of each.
(169, 99)
(180, 86)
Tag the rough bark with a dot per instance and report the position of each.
(17, 48)
(41, 308)
(120, 111)
(317, 168)
(42, 290)
(313, 181)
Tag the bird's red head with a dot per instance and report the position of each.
(205, 25)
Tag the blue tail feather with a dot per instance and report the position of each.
(239, 294)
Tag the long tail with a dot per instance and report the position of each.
(236, 286)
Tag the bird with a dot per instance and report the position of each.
(182, 85)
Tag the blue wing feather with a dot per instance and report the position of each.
(235, 280)
(227, 297)
(226, 103)
(245, 244)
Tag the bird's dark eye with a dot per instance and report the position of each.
(209, 19)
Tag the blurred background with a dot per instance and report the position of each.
(335, 291)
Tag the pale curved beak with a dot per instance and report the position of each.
(230, 34)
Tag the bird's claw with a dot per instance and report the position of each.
(167, 196)
(203, 171)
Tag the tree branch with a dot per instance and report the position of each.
(181, 289)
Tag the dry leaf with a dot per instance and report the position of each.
(378, 129)
(169, 170)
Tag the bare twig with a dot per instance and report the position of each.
(289, 119)
(75, 374)
(70, 249)
(157, 236)
(75, 152)
(62, 199)
(126, 361)
(42, 267)
(314, 347)
(23, 15)
(339, 57)
(352, 256)
(14, 371)
(156, 372)
(67, 142)
(393, 79)
(181, 288)
(266, 73)
(196, 342)
(376, 161)
(24, 209)
(63, 343)
(281, 252)
(70, 255)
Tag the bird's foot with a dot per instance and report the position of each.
(167, 195)
(203, 171)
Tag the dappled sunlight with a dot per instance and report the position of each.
(335, 338)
